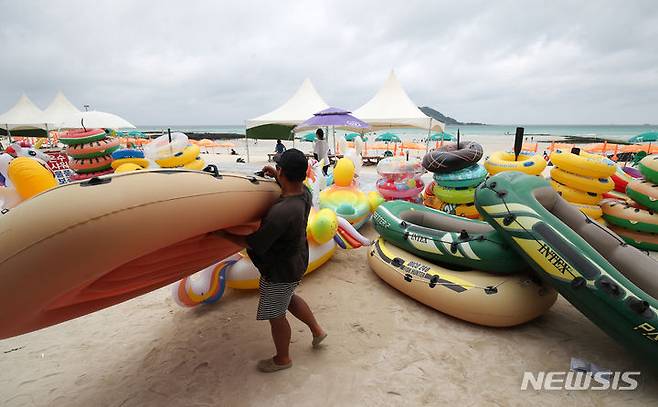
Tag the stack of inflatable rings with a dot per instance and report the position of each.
(456, 175)
(582, 179)
(90, 152)
(636, 219)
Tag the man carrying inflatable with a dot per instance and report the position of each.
(279, 250)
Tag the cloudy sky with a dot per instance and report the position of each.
(212, 62)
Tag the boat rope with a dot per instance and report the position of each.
(510, 217)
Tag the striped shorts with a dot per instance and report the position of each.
(274, 299)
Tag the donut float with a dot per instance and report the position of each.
(527, 162)
(581, 182)
(73, 137)
(580, 162)
(405, 189)
(88, 165)
(197, 164)
(628, 217)
(180, 158)
(93, 149)
(470, 176)
(454, 195)
(127, 153)
(622, 177)
(575, 196)
(643, 241)
(452, 157)
(649, 168)
(84, 176)
(644, 192)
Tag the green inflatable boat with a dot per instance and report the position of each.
(444, 238)
(613, 284)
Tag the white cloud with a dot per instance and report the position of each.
(204, 62)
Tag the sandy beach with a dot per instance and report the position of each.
(384, 348)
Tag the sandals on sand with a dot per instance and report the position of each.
(318, 339)
(268, 366)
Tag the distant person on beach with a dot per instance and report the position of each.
(279, 148)
(279, 250)
(233, 152)
(321, 150)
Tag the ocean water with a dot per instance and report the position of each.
(616, 132)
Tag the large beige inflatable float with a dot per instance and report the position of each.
(474, 296)
(88, 245)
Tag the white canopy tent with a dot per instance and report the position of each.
(391, 107)
(59, 110)
(294, 111)
(23, 115)
(298, 108)
(95, 119)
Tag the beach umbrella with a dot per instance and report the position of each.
(137, 134)
(388, 138)
(309, 137)
(95, 119)
(644, 137)
(352, 136)
(441, 137)
(333, 117)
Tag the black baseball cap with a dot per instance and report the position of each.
(293, 163)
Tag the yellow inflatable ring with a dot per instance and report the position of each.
(142, 162)
(583, 163)
(29, 177)
(198, 164)
(592, 211)
(180, 159)
(582, 183)
(576, 196)
(528, 163)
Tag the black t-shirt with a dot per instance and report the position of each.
(279, 248)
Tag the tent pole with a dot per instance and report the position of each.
(246, 143)
(429, 133)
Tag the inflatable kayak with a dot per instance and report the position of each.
(472, 296)
(440, 237)
(613, 284)
(128, 234)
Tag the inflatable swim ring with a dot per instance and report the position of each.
(621, 178)
(87, 165)
(576, 196)
(644, 193)
(179, 159)
(452, 157)
(528, 163)
(127, 167)
(93, 149)
(148, 257)
(649, 168)
(465, 210)
(593, 211)
(447, 239)
(582, 183)
(85, 176)
(197, 164)
(142, 162)
(404, 189)
(629, 217)
(73, 137)
(454, 195)
(610, 282)
(473, 296)
(127, 153)
(583, 163)
(29, 177)
(468, 177)
(344, 197)
(642, 241)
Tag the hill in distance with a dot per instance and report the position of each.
(435, 114)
